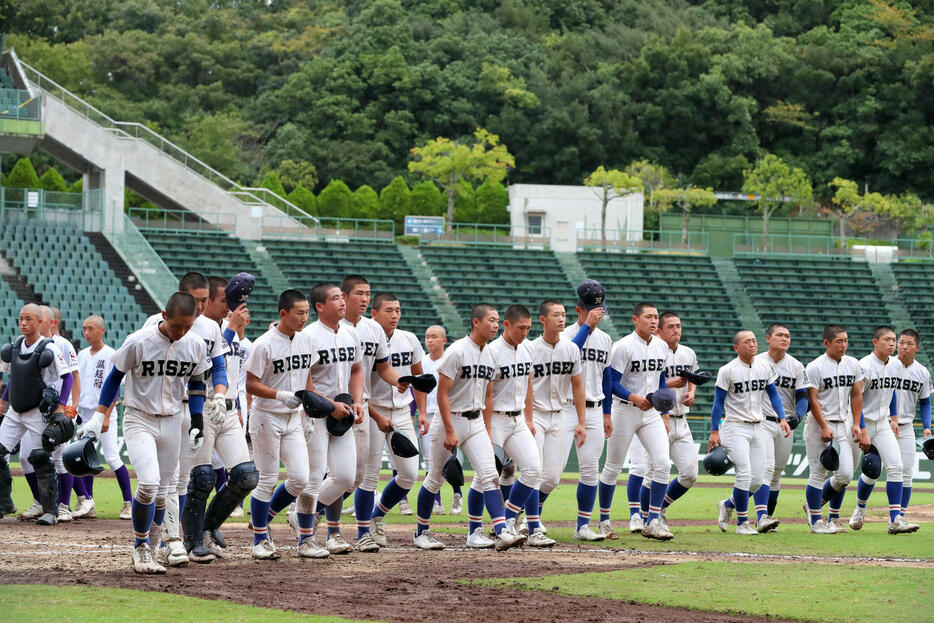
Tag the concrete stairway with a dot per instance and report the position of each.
(748, 316)
(437, 295)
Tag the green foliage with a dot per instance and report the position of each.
(336, 200)
(492, 199)
(426, 199)
(610, 185)
(293, 174)
(77, 186)
(395, 201)
(272, 182)
(366, 202)
(52, 180)
(23, 175)
(465, 204)
(777, 184)
(304, 199)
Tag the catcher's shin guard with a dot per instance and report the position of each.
(242, 479)
(199, 488)
(6, 484)
(41, 461)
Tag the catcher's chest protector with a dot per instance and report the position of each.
(26, 382)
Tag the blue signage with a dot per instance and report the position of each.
(415, 225)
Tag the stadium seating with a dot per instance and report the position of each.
(500, 276)
(10, 305)
(916, 281)
(217, 254)
(307, 262)
(808, 293)
(64, 269)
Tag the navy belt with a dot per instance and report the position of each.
(471, 415)
(593, 403)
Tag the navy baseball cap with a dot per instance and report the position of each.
(590, 294)
(238, 289)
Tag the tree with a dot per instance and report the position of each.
(851, 205)
(366, 202)
(304, 199)
(908, 214)
(271, 182)
(77, 186)
(653, 176)
(465, 204)
(685, 198)
(492, 201)
(610, 185)
(395, 200)
(52, 180)
(777, 185)
(294, 173)
(23, 175)
(336, 200)
(427, 200)
(448, 162)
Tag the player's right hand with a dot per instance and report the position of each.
(594, 316)
(714, 440)
(607, 425)
(195, 440)
(450, 441)
(309, 428)
(239, 318)
(826, 434)
(384, 424)
(640, 402)
(288, 399)
(93, 427)
(926, 433)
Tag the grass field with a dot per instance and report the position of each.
(822, 592)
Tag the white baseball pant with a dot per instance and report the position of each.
(883, 438)
(746, 442)
(227, 439)
(152, 445)
(777, 452)
(588, 455)
(549, 437)
(110, 443)
(24, 429)
(473, 440)
(361, 434)
(813, 445)
(424, 441)
(406, 468)
(681, 450)
(279, 437)
(513, 434)
(908, 448)
(629, 421)
(335, 455)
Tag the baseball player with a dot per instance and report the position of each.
(791, 382)
(637, 368)
(280, 364)
(465, 371)
(835, 394)
(741, 385)
(914, 388)
(175, 552)
(390, 411)
(240, 345)
(681, 445)
(556, 374)
(94, 365)
(158, 362)
(34, 363)
(435, 338)
(879, 382)
(507, 421)
(339, 370)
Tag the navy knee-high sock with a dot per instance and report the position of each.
(333, 516)
(814, 497)
(586, 495)
(645, 497)
(474, 510)
(493, 500)
(141, 519)
(894, 492)
(423, 507)
(605, 496)
(761, 498)
(363, 509)
(741, 501)
(392, 495)
(280, 499)
(675, 491)
(906, 497)
(864, 490)
(259, 512)
(836, 502)
(518, 496)
(633, 494)
(506, 490)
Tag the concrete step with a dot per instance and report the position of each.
(123, 273)
(745, 310)
(267, 265)
(434, 292)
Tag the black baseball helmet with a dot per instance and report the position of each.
(872, 463)
(793, 420)
(402, 445)
(927, 446)
(830, 458)
(338, 427)
(453, 472)
(424, 383)
(717, 462)
(663, 399)
(316, 406)
(80, 458)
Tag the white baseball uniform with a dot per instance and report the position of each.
(640, 364)
(595, 357)
(404, 352)
(430, 366)
(880, 379)
(374, 348)
(512, 366)
(470, 367)
(914, 385)
(157, 374)
(282, 363)
(833, 381)
(93, 369)
(338, 351)
(741, 432)
(71, 357)
(790, 377)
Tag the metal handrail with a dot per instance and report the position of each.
(182, 221)
(496, 234)
(330, 228)
(810, 245)
(138, 131)
(671, 241)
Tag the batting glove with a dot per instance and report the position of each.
(92, 428)
(195, 433)
(309, 428)
(216, 408)
(289, 399)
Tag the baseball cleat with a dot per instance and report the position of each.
(437, 509)
(379, 532)
(636, 524)
(201, 554)
(857, 518)
(366, 544)
(767, 524)
(524, 527)
(746, 529)
(31, 513)
(839, 524)
(479, 540)
(511, 526)
(585, 533)
(426, 540)
(127, 511)
(47, 519)
(310, 548)
(85, 509)
(662, 518)
(900, 526)
(265, 550)
(404, 508)
(350, 510)
(293, 521)
(143, 561)
(457, 506)
(237, 512)
(724, 513)
(337, 545)
(822, 527)
(507, 538)
(607, 531)
(538, 539)
(64, 513)
(658, 531)
(215, 542)
(176, 556)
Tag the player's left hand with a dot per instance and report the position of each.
(676, 382)
(422, 422)
(785, 428)
(861, 438)
(926, 433)
(384, 424)
(216, 409)
(688, 399)
(894, 425)
(358, 411)
(594, 316)
(195, 440)
(402, 387)
(580, 434)
(714, 440)
(239, 318)
(607, 425)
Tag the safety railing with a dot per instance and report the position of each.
(497, 234)
(182, 221)
(329, 228)
(16, 104)
(137, 131)
(790, 245)
(631, 241)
